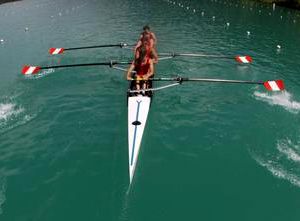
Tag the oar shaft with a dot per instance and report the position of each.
(225, 81)
(206, 80)
(205, 55)
(271, 85)
(195, 55)
(86, 64)
(98, 46)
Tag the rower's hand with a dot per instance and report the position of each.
(147, 76)
(129, 78)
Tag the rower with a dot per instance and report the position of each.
(142, 65)
(150, 38)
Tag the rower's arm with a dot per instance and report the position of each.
(129, 72)
(154, 56)
(151, 70)
(154, 38)
(139, 43)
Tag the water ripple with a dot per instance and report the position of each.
(279, 172)
(2, 193)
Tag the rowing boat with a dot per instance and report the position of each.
(138, 109)
(139, 101)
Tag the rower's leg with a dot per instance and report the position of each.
(138, 86)
(143, 87)
(149, 85)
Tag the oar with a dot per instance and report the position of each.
(54, 51)
(245, 59)
(271, 85)
(28, 70)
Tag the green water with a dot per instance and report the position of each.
(209, 152)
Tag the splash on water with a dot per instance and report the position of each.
(283, 99)
(290, 150)
(40, 75)
(12, 115)
(8, 111)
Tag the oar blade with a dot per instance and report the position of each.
(54, 51)
(276, 85)
(244, 59)
(28, 70)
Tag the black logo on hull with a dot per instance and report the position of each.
(136, 123)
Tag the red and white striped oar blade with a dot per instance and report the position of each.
(28, 70)
(56, 51)
(243, 59)
(276, 85)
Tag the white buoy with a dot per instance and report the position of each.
(213, 17)
(202, 13)
(273, 6)
(1, 41)
(228, 24)
(26, 29)
(194, 10)
(281, 17)
(278, 50)
(248, 33)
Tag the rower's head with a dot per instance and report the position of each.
(146, 28)
(142, 53)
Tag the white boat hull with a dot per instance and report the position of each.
(138, 108)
